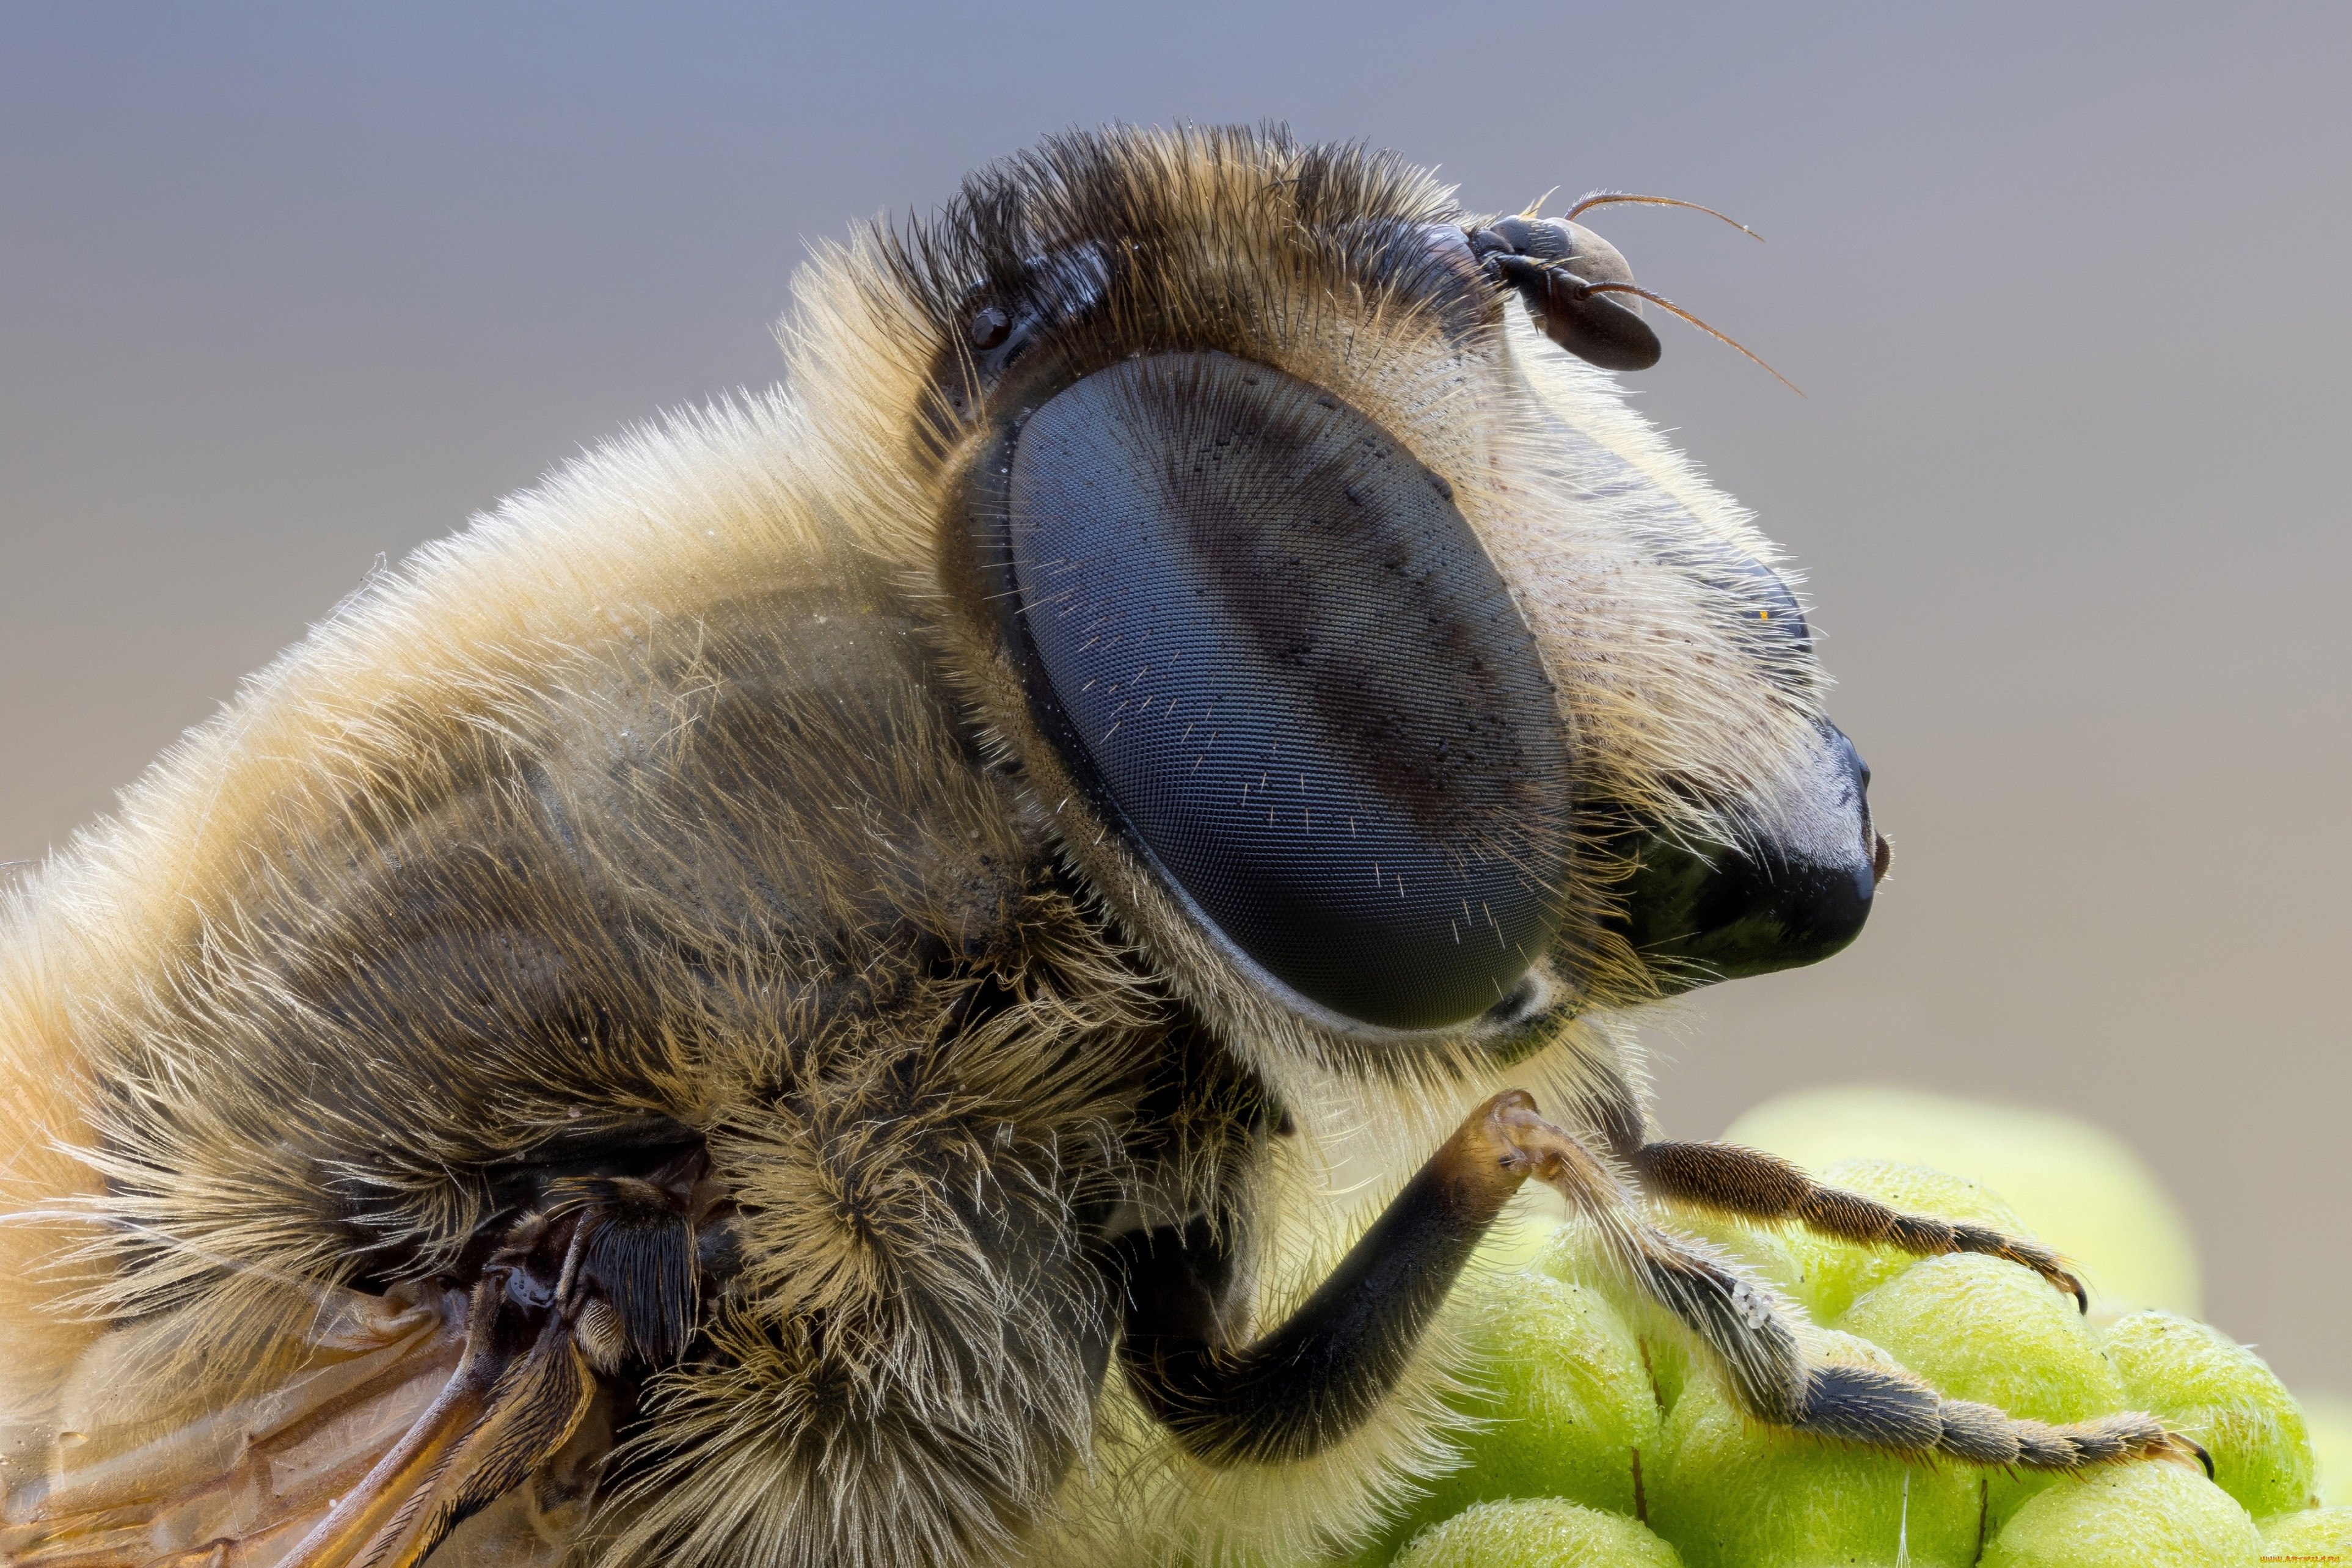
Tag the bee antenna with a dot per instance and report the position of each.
(1663, 303)
(1592, 199)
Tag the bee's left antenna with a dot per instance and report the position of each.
(1592, 199)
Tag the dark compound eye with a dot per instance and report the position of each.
(1268, 641)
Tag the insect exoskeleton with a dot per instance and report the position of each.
(945, 965)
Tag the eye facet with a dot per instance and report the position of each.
(1266, 639)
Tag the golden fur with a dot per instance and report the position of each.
(691, 788)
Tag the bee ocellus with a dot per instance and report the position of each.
(947, 965)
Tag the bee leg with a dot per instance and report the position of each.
(1895, 1411)
(1310, 1381)
(639, 1283)
(1753, 1185)
(1770, 1375)
(1307, 1382)
(536, 1336)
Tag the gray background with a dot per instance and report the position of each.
(282, 288)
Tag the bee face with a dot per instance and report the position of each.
(1377, 668)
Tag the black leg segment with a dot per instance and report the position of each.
(1312, 1380)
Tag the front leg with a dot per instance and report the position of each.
(1753, 1185)
(1310, 1381)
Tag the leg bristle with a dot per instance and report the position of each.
(1862, 1404)
(1977, 1433)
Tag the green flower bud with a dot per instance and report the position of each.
(2206, 1385)
(1565, 1409)
(1560, 1404)
(1736, 1493)
(2154, 1515)
(1573, 1256)
(2329, 1421)
(1541, 1532)
(2315, 1535)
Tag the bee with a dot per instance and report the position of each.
(815, 989)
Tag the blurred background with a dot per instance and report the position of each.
(286, 288)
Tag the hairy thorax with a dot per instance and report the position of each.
(614, 928)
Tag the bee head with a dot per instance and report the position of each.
(1393, 684)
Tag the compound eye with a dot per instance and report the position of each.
(1267, 641)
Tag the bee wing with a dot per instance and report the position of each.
(395, 1426)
